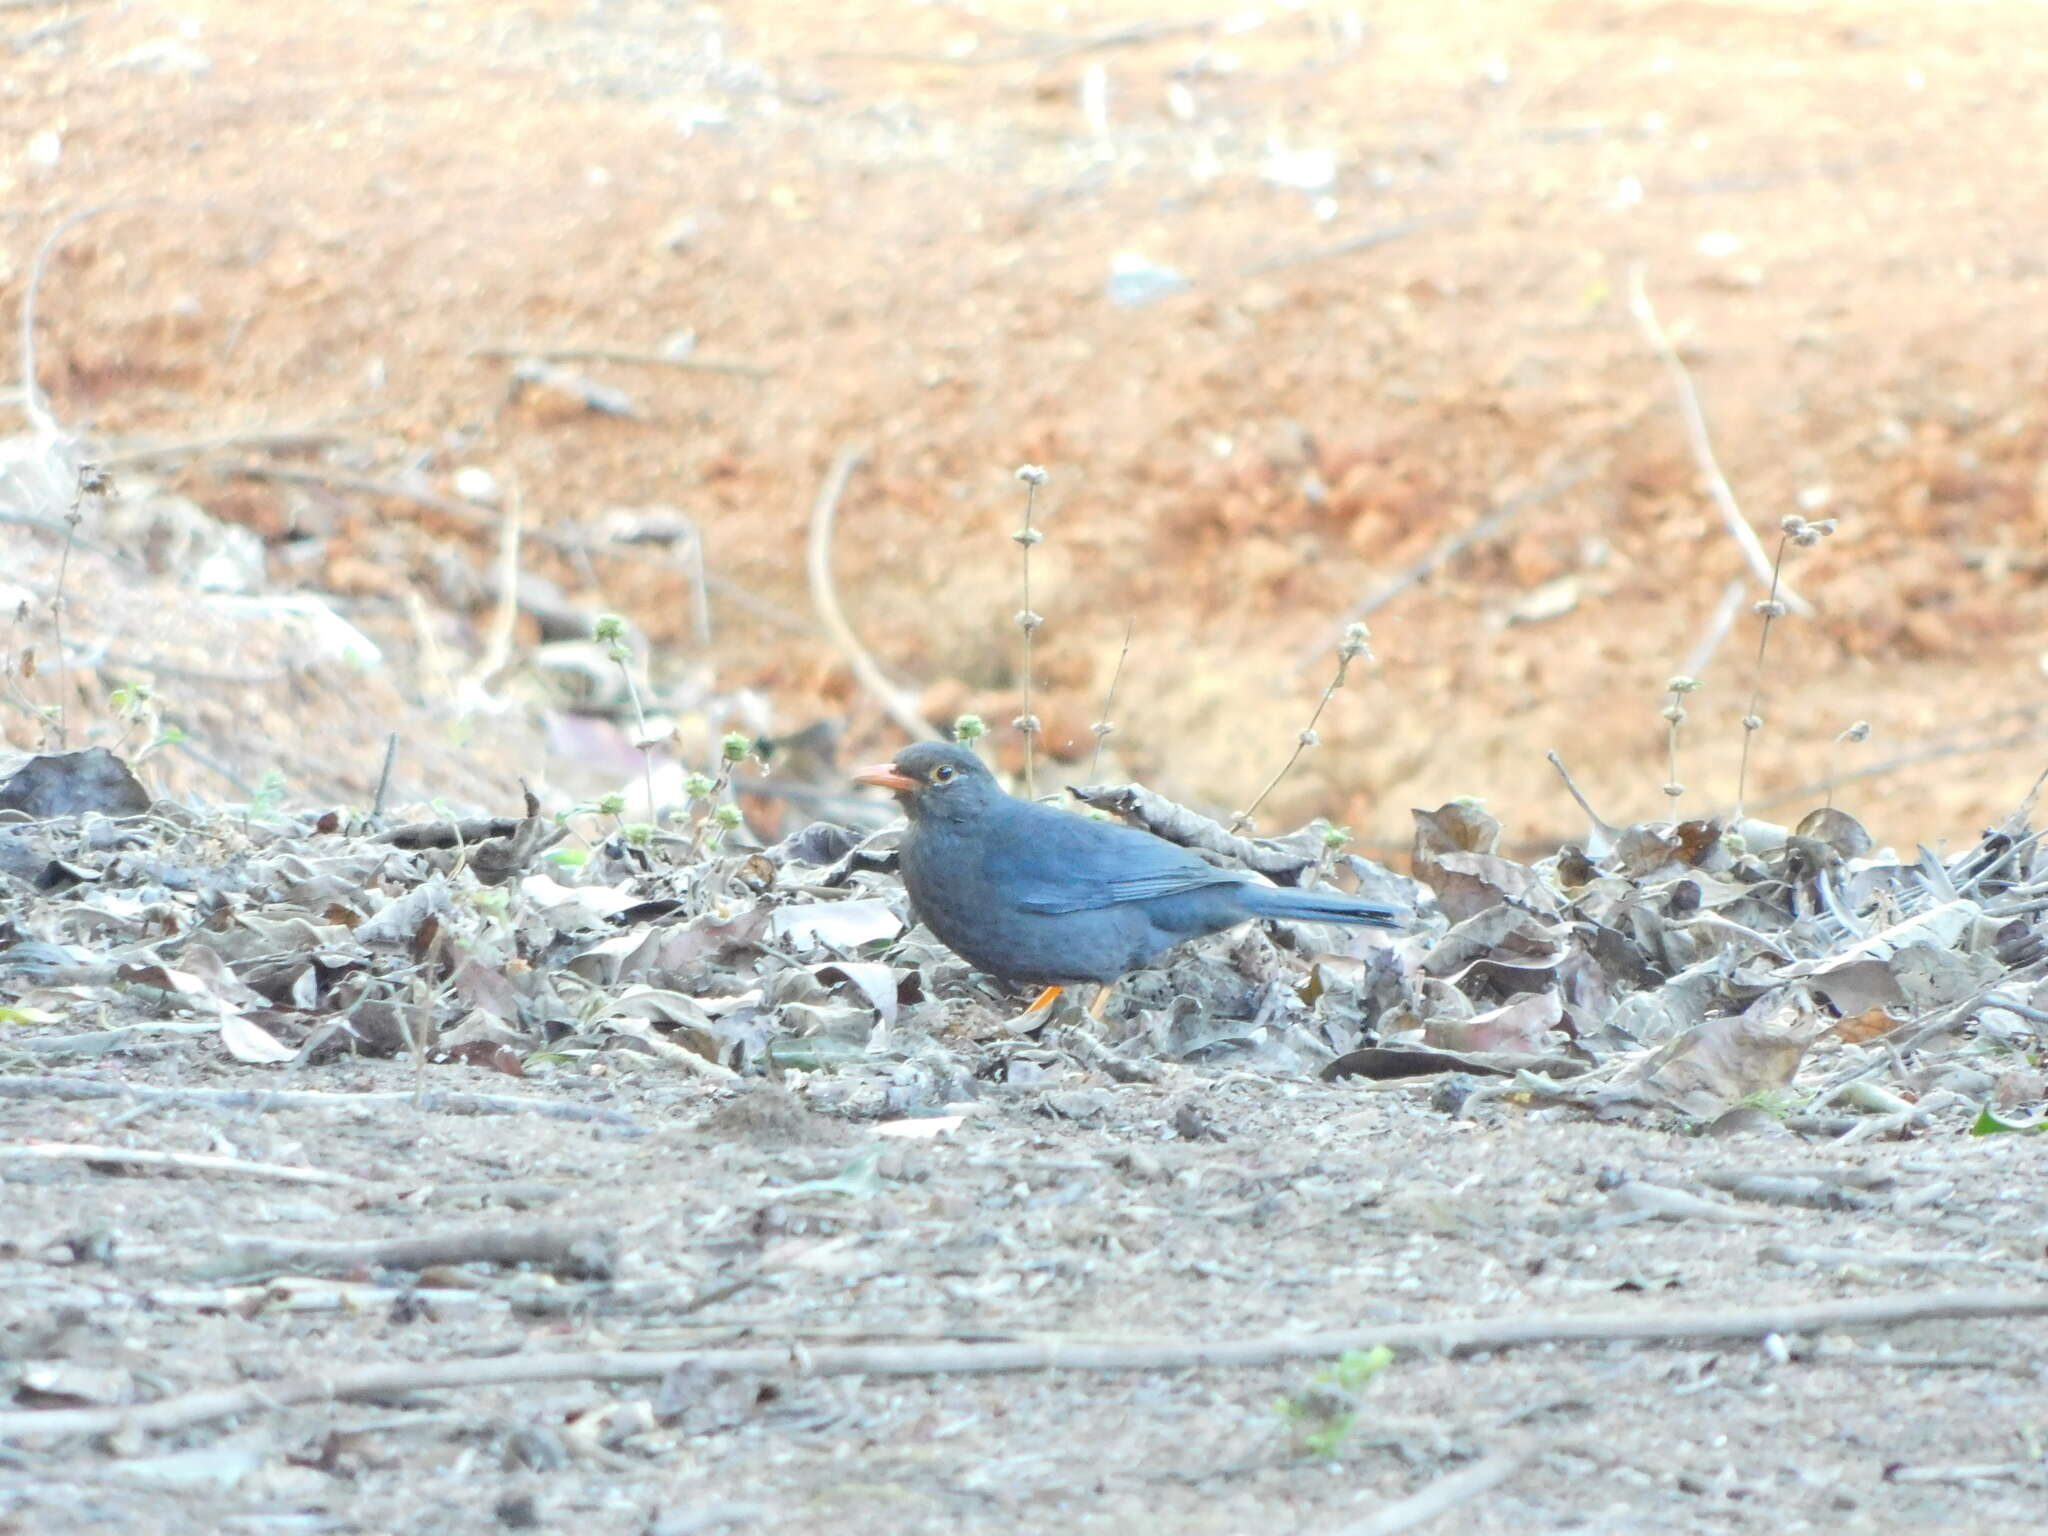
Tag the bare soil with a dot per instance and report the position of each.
(907, 216)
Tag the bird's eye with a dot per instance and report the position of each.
(943, 774)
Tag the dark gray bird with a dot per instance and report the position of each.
(1030, 893)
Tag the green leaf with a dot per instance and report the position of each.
(1988, 1124)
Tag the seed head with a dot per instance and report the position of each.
(1772, 608)
(969, 729)
(734, 747)
(609, 627)
(700, 786)
(1031, 474)
(727, 816)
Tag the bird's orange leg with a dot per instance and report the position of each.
(1100, 1001)
(1045, 999)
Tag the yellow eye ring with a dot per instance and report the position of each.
(943, 774)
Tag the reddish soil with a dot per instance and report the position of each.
(907, 214)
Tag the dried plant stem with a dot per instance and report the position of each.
(1674, 717)
(642, 740)
(1854, 735)
(1752, 722)
(1703, 445)
(1106, 724)
(793, 1355)
(1356, 643)
(1028, 621)
(90, 481)
(825, 599)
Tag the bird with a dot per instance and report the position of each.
(1031, 893)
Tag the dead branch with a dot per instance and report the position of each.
(1703, 445)
(826, 600)
(584, 1252)
(263, 1100)
(273, 439)
(1455, 1337)
(186, 1162)
(1280, 859)
(1487, 526)
(1442, 1496)
(1904, 760)
(575, 352)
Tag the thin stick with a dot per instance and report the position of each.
(505, 617)
(1752, 722)
(34, 403)
(275, 438)
(1105, 725)
(384, 777)
(1028, 620)
(1702, 445)
(186, 1162)
(546, 1243)
(88, 479)
(263, 1100)
(1455, 545)
(1456, 1338)
(1353, 645)
(1440, 1497)
(1718, 624)
(818, 566)
(573, 352)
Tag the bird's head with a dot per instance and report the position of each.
(935, 778)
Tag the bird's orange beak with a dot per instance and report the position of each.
(885, 775)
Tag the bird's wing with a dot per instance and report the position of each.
(1075, 865)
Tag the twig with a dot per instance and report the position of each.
(275, 438)
(188, 1162)
(34, 404)
(1440, 1497)
(88, 480)
(505, 616)
(585, 1249)
(1279, 859)
(1907, 760)
(1356, 643)
(1702, 445)
(384, 777)
(1028, 621)
(263, 1100)
(1386, 234)
(1455, 545)
(1105, 725)
(818, 566)
(573, 352)
(574, 545)
(1456, 1337)
(1718, 624)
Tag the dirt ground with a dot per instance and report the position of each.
(1077, 1214)
(909, 215)
(1406, 237)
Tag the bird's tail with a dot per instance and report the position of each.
(1318, 906)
